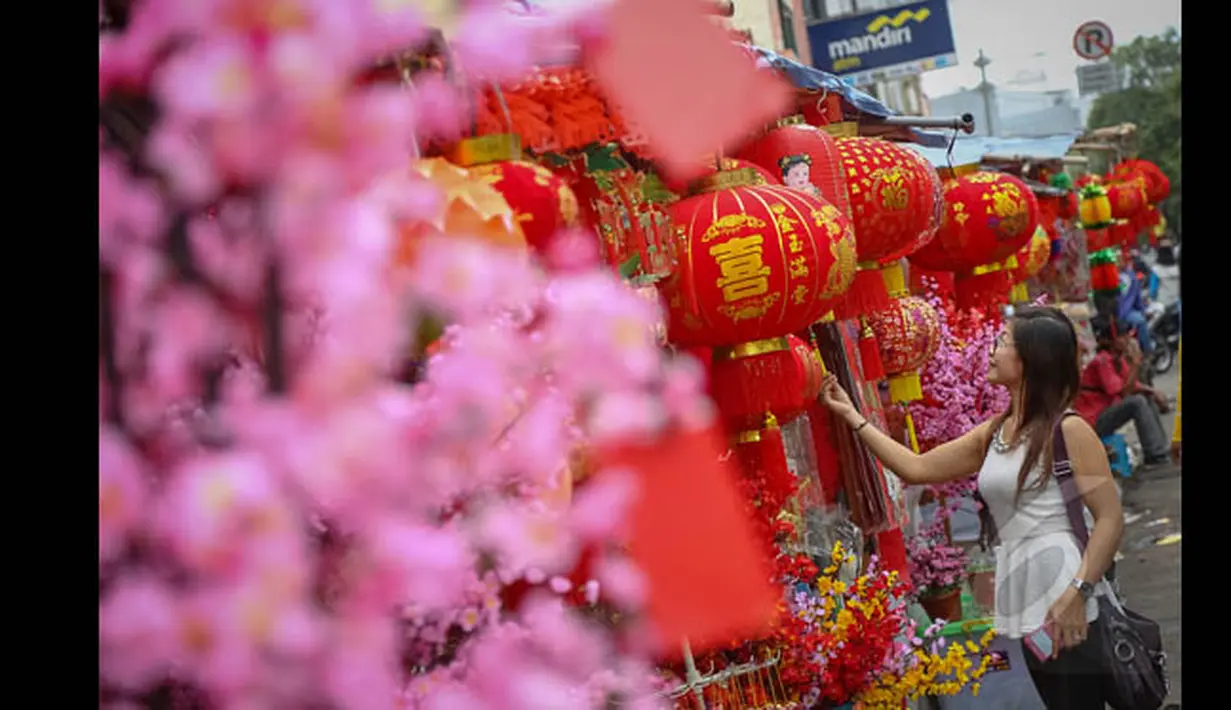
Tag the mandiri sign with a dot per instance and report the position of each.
(907, 39)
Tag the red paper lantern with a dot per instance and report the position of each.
(895, 205)
(988, 216)
(778, 376)
(908, 332)
(1128, 199)
(803, 157)
(755, 262)
(1157, 185)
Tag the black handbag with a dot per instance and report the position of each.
(1136, 677)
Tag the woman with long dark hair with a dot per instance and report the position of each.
(1043, 580)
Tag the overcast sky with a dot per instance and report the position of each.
(1032, 37)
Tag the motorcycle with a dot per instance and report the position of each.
(1165, 332)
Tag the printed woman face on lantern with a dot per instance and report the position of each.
(797, 173)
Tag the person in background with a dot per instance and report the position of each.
(1131, 306)
(1110, 395)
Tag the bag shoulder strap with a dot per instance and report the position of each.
(1062, 469)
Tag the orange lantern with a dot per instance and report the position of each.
(895, 205)
(755, 261)
(988, 217)
(908, 332)
(470, 207)
(778, 376)
(1030, 259)
(803, 157)
(542, 201)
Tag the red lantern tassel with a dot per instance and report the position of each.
(763, 450)
(828, 464)
(983, 290)
(891, 547)
(866, 295)
(870, 355)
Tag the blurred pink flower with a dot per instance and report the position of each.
(492, 45)
(138, 622)
(121, 493)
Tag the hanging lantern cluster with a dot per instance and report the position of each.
(755, 261)
(1030, 260)
(988, 217)
(896, 208)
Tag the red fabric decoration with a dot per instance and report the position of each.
(690, 536)
(755, 262)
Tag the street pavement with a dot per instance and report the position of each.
(1149, 572)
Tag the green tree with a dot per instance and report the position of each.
(1151, 101)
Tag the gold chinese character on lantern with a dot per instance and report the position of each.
(744, 274)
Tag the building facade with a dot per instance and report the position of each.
(778, 25)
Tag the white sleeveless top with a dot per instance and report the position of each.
(1037, 556)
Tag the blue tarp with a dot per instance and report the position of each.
(806, 77)
(972, 149)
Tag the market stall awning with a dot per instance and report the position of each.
(969, 150)
(808, 78)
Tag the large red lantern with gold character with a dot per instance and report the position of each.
(895, 205)
(908, 333)
(754, 261)
(988, 217)
(778, 376)
(803, 157)
(542, 201)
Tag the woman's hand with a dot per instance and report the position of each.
(1067, 619)
(836, 398)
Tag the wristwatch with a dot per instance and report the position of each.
(1084, 588)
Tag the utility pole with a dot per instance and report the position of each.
(986, 88)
